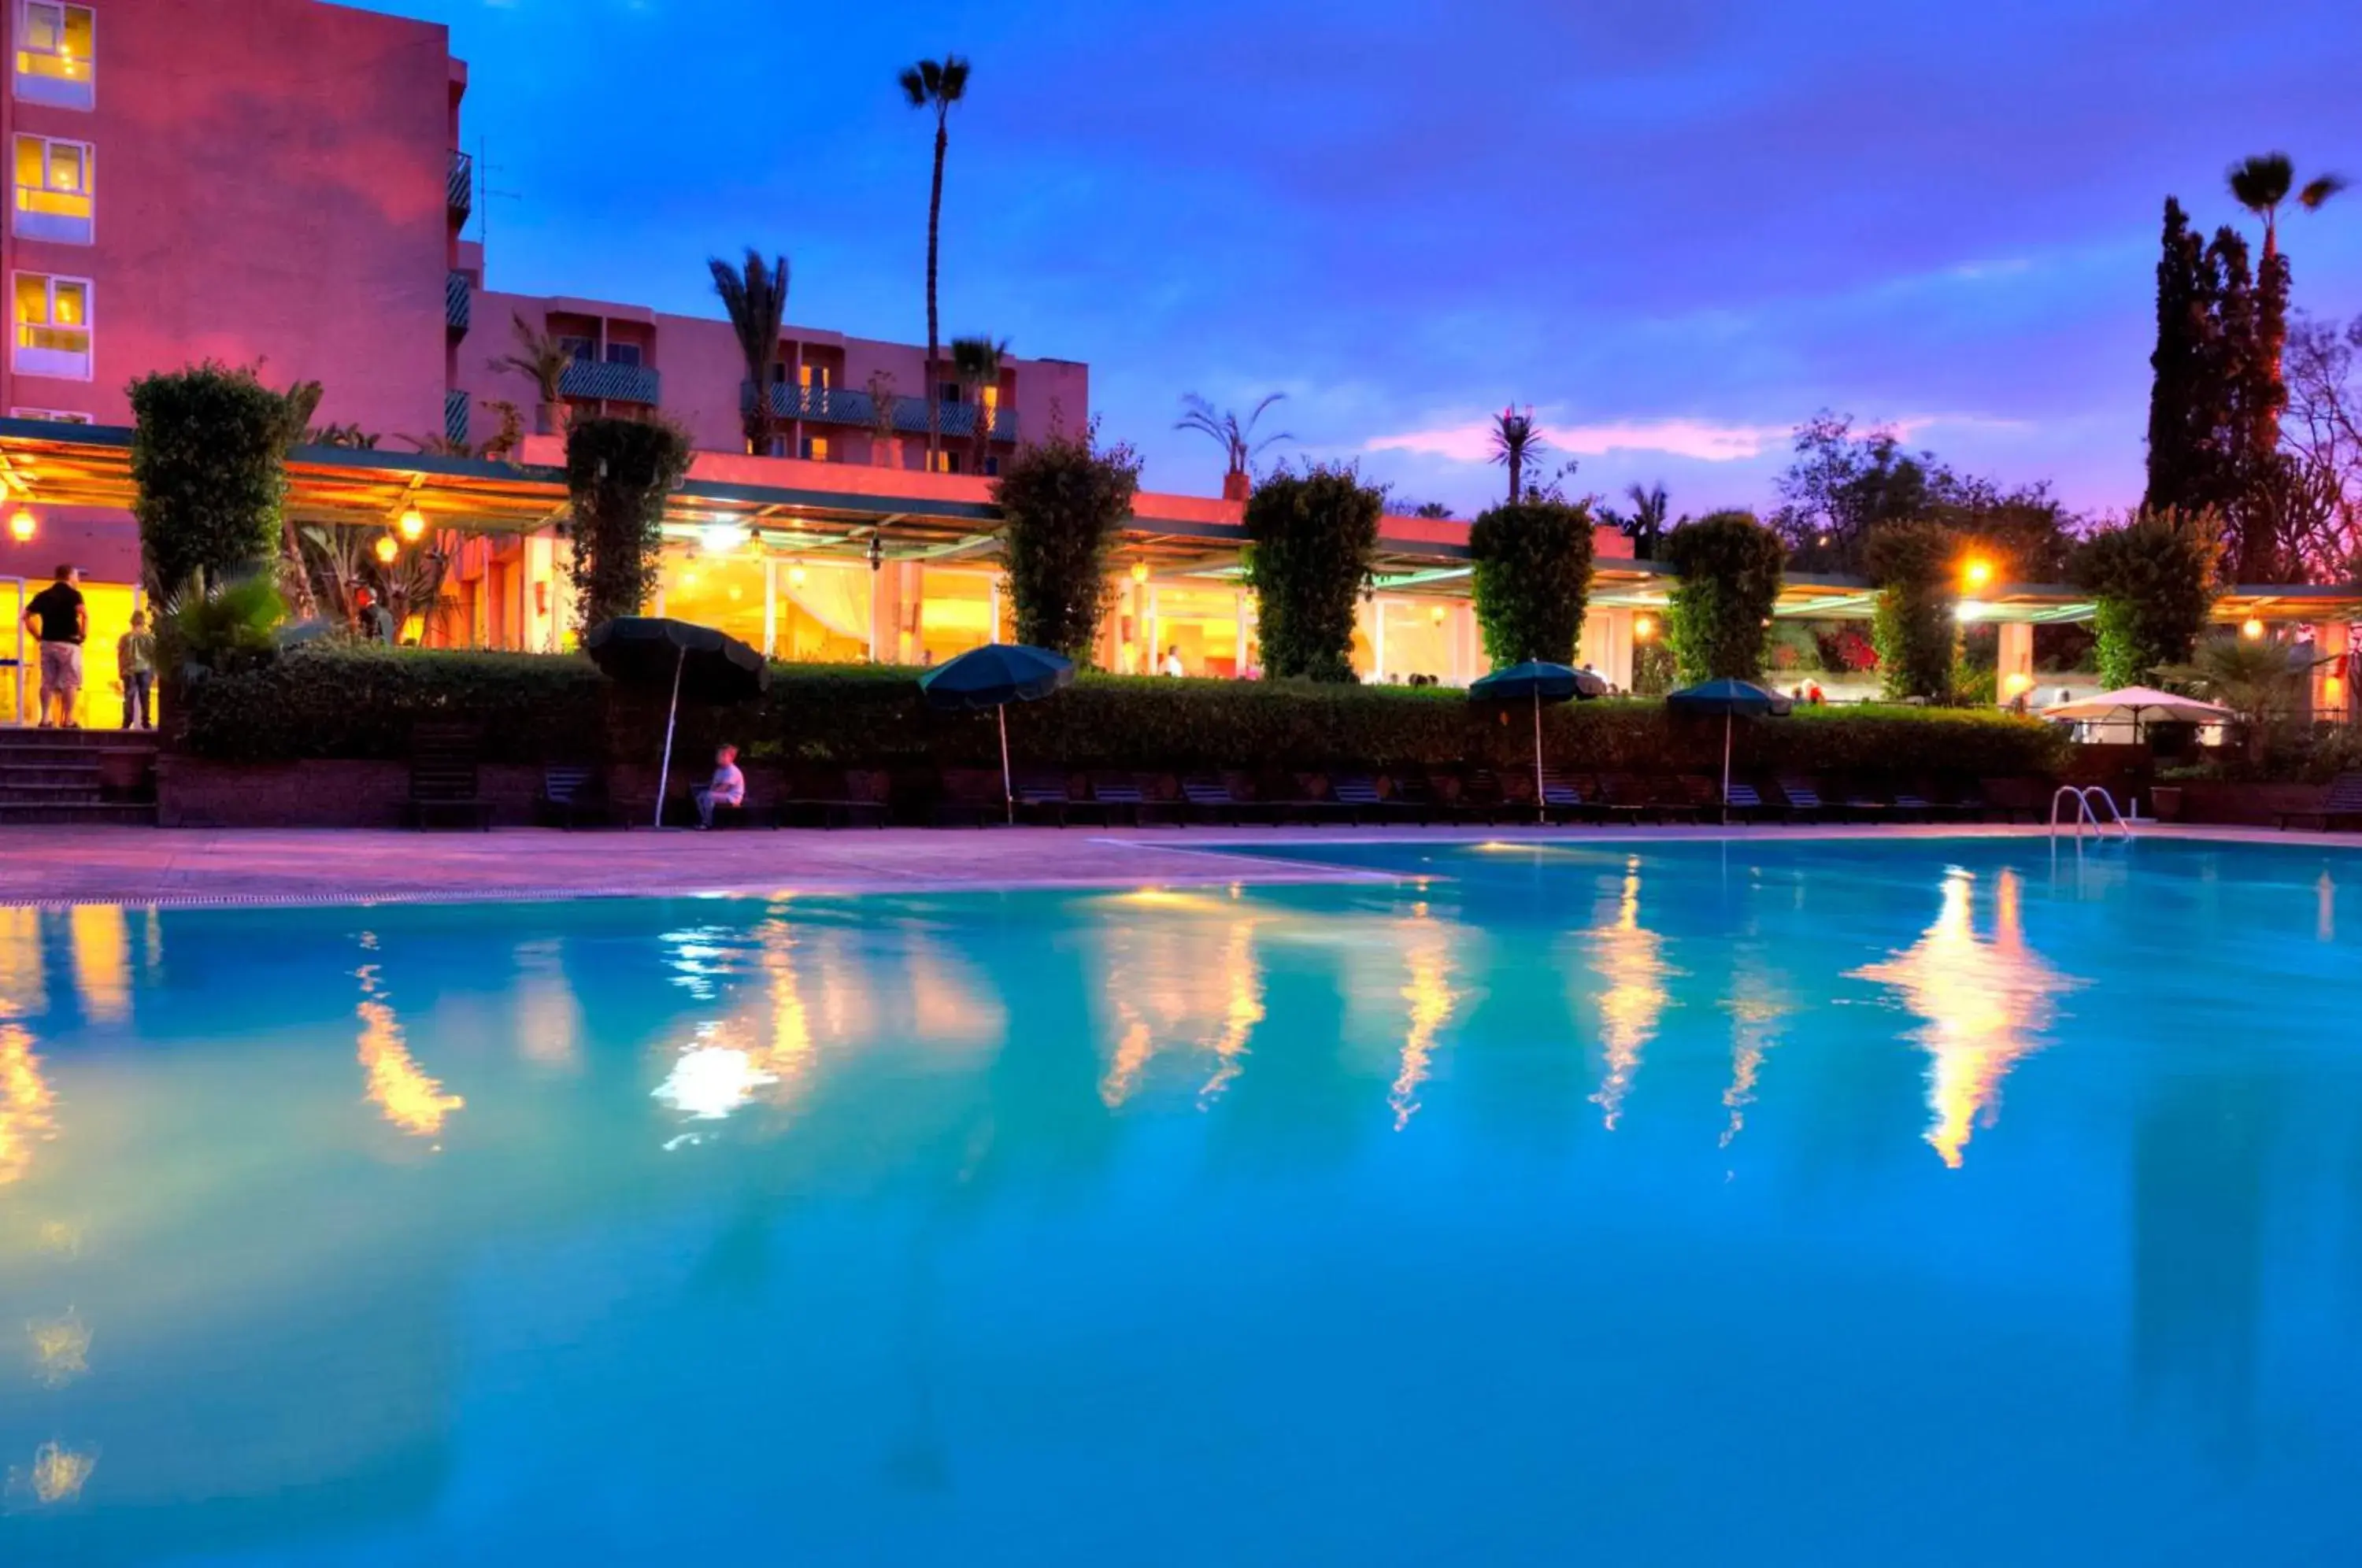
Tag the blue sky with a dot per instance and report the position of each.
(1675, 226)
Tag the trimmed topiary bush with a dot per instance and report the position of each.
(2153, 580)
(360, 702)
(1720, 617)
(1917, 628)
(1312, 540)
(1063, 505)
(618, 472)
(209, 456)
(1532, 579)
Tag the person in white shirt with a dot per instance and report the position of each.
(727, 788)
(1172, 661)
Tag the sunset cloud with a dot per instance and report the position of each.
(1707, 442)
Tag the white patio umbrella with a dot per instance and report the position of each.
(2137, 705)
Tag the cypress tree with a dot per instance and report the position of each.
(2174, 429)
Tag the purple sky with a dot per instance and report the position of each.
(1674, 227)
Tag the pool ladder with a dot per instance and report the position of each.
(2083, 810)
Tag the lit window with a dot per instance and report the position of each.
(52, 326)
(56, 54)
(947, 462)
(53, 194)
(816, 449)
(812, 378)
(51, 415)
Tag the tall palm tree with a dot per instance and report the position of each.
(2262, 182)
(541, 359)
(756, 300)
(935, 84)
(1516, 441)
(976, 363)
(1236, 437)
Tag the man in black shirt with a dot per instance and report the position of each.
(59, 620)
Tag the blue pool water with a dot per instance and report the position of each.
(1923, 1203)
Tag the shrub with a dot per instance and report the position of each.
(1532, 579)
(1917, 628)
(1730, 565)
(363, 702)
(1312, 540)
(209, 458)
(1063, 504)
(2153, 580)
(618, 472)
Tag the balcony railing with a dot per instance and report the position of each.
(613, 383)
(462, 186)
(458, 301)
(455, 417)
(830, 406)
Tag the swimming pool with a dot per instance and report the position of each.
(1938, 1201)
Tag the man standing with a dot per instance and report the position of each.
(374, 621)
(58, 618)
(134, 655)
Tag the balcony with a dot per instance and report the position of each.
(829, 406)
(462, 186)
(455, 417)
(458, 302)
(595, 380)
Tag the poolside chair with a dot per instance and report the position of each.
(1625, 799)
(836, 800)
(1045, 797)
(1411, 798)
(1208, 798)
(1675, 800)
(1803, 800)
(1479, 797)
(2015, 800)
(573, 795)
(969, 795)
(1565, 799)
(2340, 803)
(444, 782)
(1367, 800)
(1113, 796)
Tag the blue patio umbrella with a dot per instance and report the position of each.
(993, 676)
(1734, 700)
(1538, 682)
(696, 662)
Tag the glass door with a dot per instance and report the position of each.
(18, 685)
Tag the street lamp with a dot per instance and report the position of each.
(1977, 572)
(413, 525)
(2252, 629)
(1644, 628)
(389, 549)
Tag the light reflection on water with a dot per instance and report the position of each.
(918, 1223)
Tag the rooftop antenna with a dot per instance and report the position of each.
(485, 195)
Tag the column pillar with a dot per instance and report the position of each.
(2332, 679)
(2014, 673)
(1615, 647)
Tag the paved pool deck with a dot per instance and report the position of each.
(68, 866)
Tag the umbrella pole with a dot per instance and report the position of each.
(1726, 770)
(672, 716)
(1541, 808)
(1008, 791)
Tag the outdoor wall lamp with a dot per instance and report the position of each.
(23, 526)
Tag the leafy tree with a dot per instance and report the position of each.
(1516, 441)
(1916, 568)
(1236, 437)
(1842, 484)
(208, 457)
(1062, 503)
(975, 361)
(2323, 441)
(618, 473)
(935, 85)
(755, 296)
(2025, 533)
(1532, 579)
(1729, 567)
(541, 359)
(2153, 579)
(1312, 543)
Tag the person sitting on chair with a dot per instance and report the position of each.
(727, 788)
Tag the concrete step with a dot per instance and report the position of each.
(15, 813)
(79, 789)
(77, 740)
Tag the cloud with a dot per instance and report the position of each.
(1681, 438)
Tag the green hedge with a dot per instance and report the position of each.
(362, 703)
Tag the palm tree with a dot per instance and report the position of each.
(937, 86)
(542, 359)
(2262, 182)
(1645, 524)
(1516, 440)
(1237, 438)
(756, 301)
(976, 363)
(2260, 682)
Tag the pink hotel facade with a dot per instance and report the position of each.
(279, 182)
